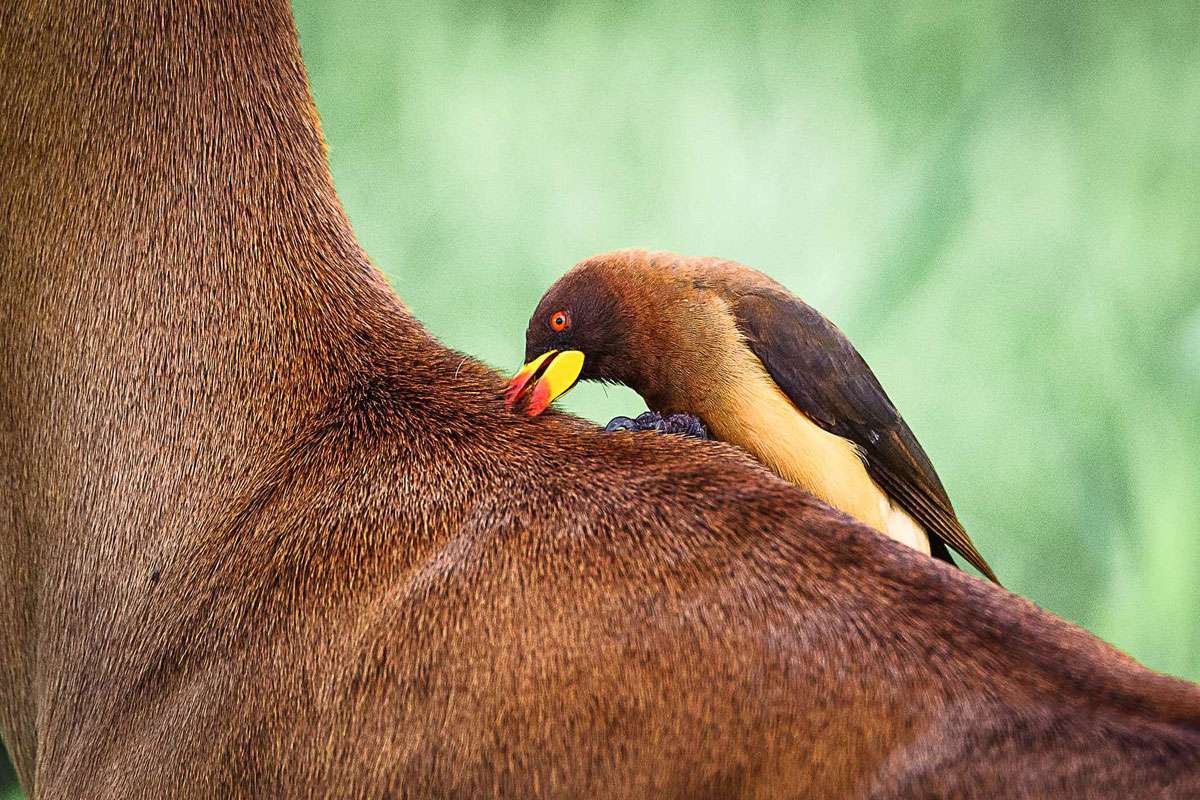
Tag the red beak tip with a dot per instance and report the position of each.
(512, 393)
(539, 399)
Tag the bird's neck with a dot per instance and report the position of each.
(178, 284)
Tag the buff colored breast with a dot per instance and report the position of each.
(751, 412)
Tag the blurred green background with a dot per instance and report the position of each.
(998, 202)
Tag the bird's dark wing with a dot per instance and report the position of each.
(815, 365)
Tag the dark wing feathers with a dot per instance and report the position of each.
(825, 377)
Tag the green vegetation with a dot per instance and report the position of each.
(997, 202)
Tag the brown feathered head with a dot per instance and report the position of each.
(609, 319)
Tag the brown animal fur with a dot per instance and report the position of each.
(261, 537)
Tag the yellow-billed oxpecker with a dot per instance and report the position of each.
(761, 369)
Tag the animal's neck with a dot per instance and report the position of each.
(178, 287)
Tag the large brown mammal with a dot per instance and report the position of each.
(261, 536)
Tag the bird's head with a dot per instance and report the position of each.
(615, 318)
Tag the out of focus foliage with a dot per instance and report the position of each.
(998, 202)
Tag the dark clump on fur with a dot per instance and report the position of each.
(681, 424)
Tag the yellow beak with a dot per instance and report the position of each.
(543, 380)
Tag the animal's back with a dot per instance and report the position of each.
(620, 617)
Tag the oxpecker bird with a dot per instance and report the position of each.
(758, 366)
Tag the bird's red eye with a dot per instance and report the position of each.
(560, 320)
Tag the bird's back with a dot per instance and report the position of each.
(802, 399)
